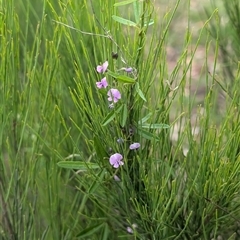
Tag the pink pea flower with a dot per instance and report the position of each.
(102, 68)
(102, 84)
(128, 70)
(134, 146)
(114, 95)
(116, 160)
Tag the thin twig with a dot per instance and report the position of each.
(106, 35)
(86, 33)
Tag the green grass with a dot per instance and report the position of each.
(57, 131)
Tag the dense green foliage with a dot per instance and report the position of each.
(58, 132)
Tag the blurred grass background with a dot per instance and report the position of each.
(46, 80)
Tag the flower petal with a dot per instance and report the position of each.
(115, 160)
(102, 68)
(104, 82)
(116, 165)
(99, 69)
(128, 70)
(134, 146)
(105, 66)
(114, 95)
(99, 85)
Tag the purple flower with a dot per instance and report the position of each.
(114, 95)
(102, 68)
(102, 84)
(134, 146)
(128, 70)
(115, 160)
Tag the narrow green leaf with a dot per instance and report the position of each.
(121, 78)
(89, 231)
(140, 93)
(137, 9)
(124, 115)
(125, 79)
(143, 120)
(155, 126)
(97, 182)
(100, 151)
(113, 74)
(111, 115)
(108, 118)
(83, 166)
(124, 21)
(44, 234)
(124, 3)
(106, 233)
(147, 135)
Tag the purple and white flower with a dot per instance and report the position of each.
(102, 68)
(116, 160)
(128, 70)
(134, 146)
(113, 95)
(102, 84)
